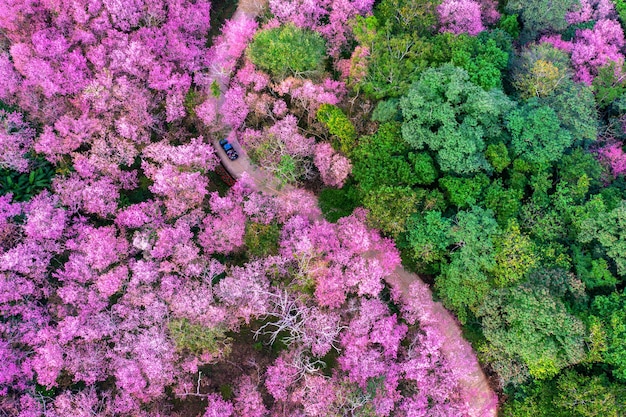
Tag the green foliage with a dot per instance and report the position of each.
(428, 237)
(447, 113)
(408, 16)
(505, 202)
(536, 133)
(570, 32)
(198, 339)
(498, 156)
(515, 256)
(337, 203)
(463, 192)
(262, 239)
(510, 24)
(390, 207)
(609, 230)
(464, 282)
(611, 311)
(540, 15)
(215, 89)
(395, 60)
(424, 170)
(593, 272)
(608, 86)
(383, 159)
(24, 185)
(287, 50)
(594, 396)
(287, 170)
(339, 125)
(620, 7)
(578, 163)
(387, 111)
(484, 57)
(192, 99)
(539, 70)
(527, 325)
(574, 105)
(571, 394)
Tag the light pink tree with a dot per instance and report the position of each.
(248, 401)
(597, 47)
(16, 140)
(334, 168)
(614, 157)
(460, 16)
(594, 48)
(591, 10)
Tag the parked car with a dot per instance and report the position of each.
(228, 148)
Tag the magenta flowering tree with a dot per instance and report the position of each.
(248, 401)
(614, 157)
(597, 47)
(592, 49)
(328, 17)
(308, 95)
(460, 16)
(16, 140)
(177, 173)
(592, 10)
(334, 168)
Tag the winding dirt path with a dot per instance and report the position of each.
(456, 348)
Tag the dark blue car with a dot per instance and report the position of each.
(228, 148)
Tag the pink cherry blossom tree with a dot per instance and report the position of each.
(460, 16)
(334, 168)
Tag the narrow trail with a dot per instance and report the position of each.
(456, 349)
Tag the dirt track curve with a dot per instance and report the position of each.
(456, 348)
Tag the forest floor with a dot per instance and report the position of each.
(456, 348)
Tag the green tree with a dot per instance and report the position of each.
(608, 228)
(464, 282)
(528, 325)
(453, 117)
(514, 254)
(572, 166)
(594, 273)
(286, 50)
(575, 107)
(395, 59)
(428, 238)
(589, 396)
(536, 133)
(571, 394)
(424, 170)
(199, 339)
(611, 310)
(408, 16)
(383, 159)
(540, 15)
(338, 125)
(609, 84)
(505, 202)
(539, 70)
(262, 239)
(498, 156)
(463, 192)
(337, 203)
(390, 207)
(484, 57)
